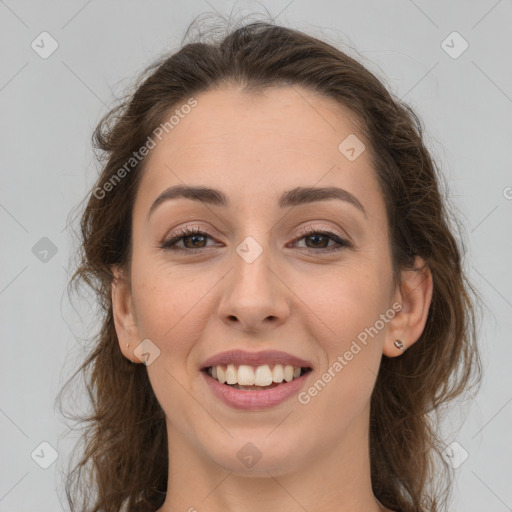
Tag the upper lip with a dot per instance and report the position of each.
(238, 357)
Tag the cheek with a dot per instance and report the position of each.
(170, 302)
(348, 298)
(349, 306)
(352, 309)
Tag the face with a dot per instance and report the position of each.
(307, 278)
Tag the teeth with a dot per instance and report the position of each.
(262, 375)
(246, 375)
(221, 376)
(278, 373)
(231, 376)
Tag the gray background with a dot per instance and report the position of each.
(50, 106)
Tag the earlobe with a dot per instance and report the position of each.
(124, 314)
(414, 293)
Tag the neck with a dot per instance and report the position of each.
(319, 478)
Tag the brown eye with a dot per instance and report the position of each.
(195, 241)
(319, 241)
(192, 238)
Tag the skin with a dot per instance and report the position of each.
(315, 456)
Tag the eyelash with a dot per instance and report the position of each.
(170, 244)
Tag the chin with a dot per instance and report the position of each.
(255, 456)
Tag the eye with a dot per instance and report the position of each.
(191, 233)
(198, 238)
(320, 237)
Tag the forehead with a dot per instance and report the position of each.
(258, 145)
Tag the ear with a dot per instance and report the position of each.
(124, 315)
(414, 293)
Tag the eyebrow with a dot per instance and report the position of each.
(292, 197)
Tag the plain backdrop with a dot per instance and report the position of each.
(449, 60)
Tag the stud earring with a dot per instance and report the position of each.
(399, 344)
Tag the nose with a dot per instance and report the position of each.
(255, 296)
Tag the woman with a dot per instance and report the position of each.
(284, 307)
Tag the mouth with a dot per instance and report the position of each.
(255, 397)
(227, 377)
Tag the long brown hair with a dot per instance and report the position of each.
(125, 458)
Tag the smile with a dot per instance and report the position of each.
(255, 396)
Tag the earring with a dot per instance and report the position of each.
(399, 344)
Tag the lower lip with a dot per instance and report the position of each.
(240, 399)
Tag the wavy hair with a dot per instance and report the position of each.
(124, 462)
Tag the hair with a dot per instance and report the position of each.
(125, 456)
